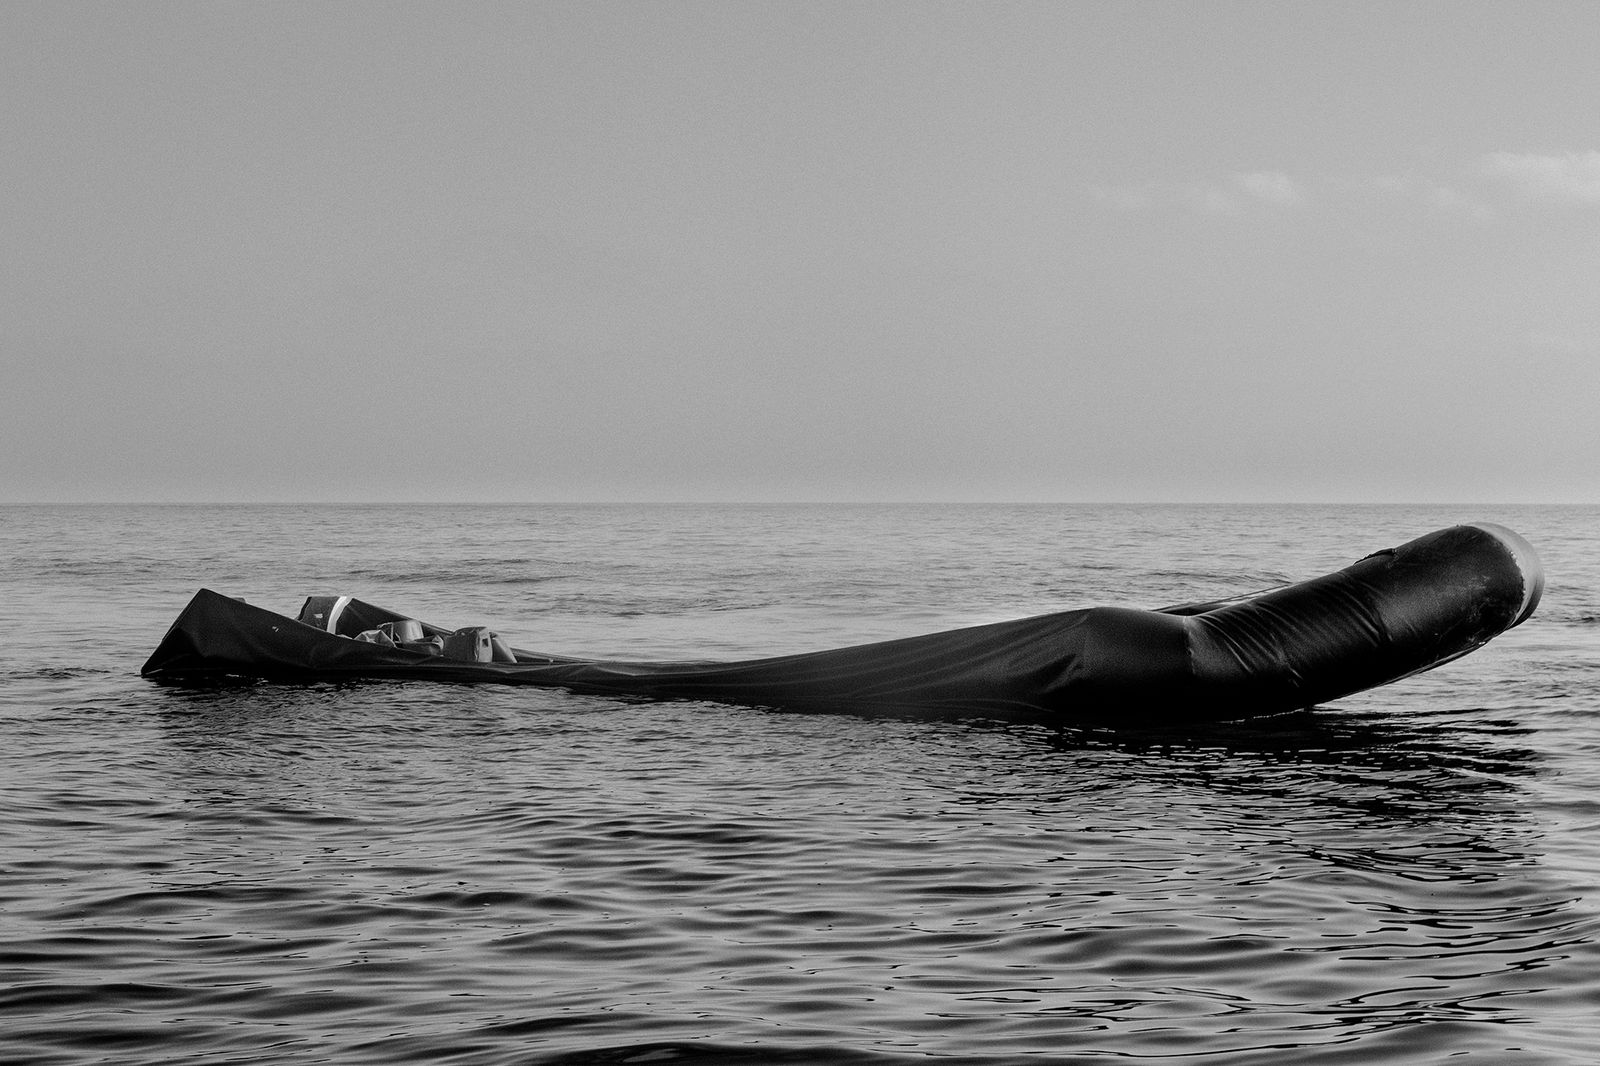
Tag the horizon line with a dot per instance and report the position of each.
(820, 502)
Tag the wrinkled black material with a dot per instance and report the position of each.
(1391, 614)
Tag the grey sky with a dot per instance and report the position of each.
(1074, 251)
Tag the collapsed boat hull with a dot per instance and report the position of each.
(1389, 615)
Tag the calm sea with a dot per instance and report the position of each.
(404, 872)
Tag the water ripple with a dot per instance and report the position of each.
(383, 873)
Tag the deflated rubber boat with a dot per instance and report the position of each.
(1392, 614)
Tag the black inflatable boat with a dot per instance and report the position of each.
(1394, 613)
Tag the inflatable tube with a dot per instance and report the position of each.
(1394, 613)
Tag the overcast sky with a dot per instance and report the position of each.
(765, 251)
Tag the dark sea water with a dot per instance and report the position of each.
(416, 873)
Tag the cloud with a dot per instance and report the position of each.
(1573, 178)
(1270, 186)
(1438, 198)
(1208, 199)
(1232, 195)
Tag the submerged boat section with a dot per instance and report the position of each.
(1393, 613)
